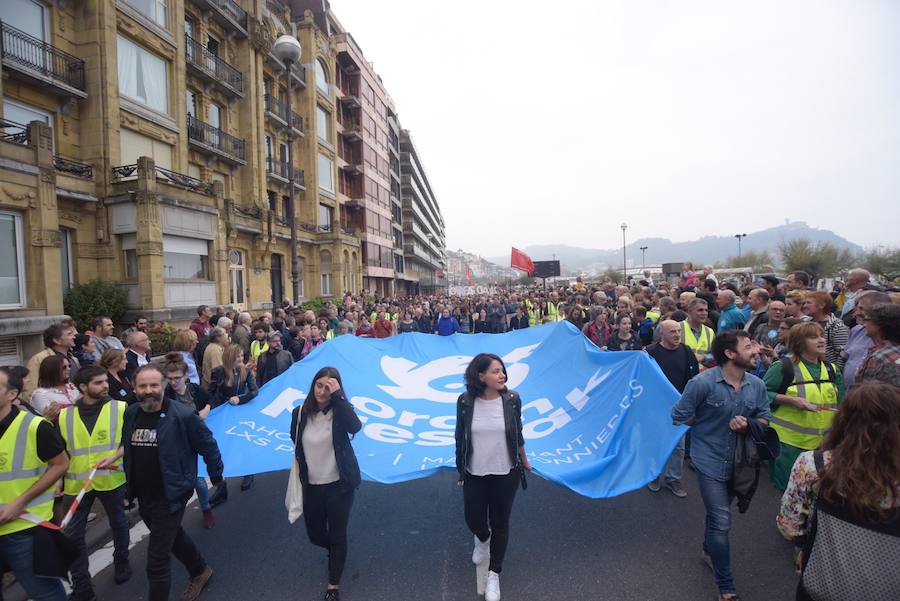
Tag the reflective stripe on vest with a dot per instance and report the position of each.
(553, 311)
(22, 468)
(701, 345)
(87, 449)
(798, 427)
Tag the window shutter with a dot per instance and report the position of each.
(9, 351)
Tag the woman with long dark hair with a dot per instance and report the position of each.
(321, 428)
(852, 485)
(54, 391)
(490, 459)
(115, 362)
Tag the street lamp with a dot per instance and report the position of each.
(644, 257)
(739, 236)
(287, 49)
(624, 227)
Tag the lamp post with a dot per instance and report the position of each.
(624, 227)
(644, 257)
(287, 49)
(739, 236)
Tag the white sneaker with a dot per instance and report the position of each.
(492, 587)
(482, 551)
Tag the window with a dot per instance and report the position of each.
(133, 145)
(286, 206)
(323, 124)
(273, 200)
(300, 264)
(65, 259)
(326, 217)
(236, 273)
(185, 258)
(326, 174)
(156, 10)
(321, 77)
(325, 264)
(142, 76)
(24, 114)
(28, 16)
(189, 28)
(12, 270)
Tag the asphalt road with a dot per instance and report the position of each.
(409, 541)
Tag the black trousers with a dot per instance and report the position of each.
(488, 501)
(167, 538)
(326, 513)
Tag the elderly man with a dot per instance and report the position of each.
(730, 317)
(767, 333)
(138, 353)
(679, 364)
(857, 280)
(798, 280)
(212, 356)
(243, 334)
(226, 324)
(758, 299)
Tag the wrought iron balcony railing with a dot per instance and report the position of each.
(215, 138)
(15, 132)
(71, 167)
(213, 66)
(278, 108)
(32, 54)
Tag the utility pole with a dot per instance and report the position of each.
(644, 257)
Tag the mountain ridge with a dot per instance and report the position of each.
(706, 249)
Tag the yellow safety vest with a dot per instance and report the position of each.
(257, 349)
(552, 311)
(798, 427)
(86, 450)
(532, 314)
(700, 345)
(20, 469)
(653, 315)
(329, 335)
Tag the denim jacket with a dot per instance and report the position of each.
(711, 402)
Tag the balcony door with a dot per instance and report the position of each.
(277, 273)
(215, 122)
(33, 19)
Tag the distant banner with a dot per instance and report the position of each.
(594, 421)
(472, 290)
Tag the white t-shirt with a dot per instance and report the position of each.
(43, 397)
(490, 454)
(318, 447)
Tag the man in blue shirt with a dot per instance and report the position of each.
(718, 404)
(730, 317)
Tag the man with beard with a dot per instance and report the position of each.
(718, 404)
(162, 440)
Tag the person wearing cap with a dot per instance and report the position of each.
(275, 361)
(770, 284)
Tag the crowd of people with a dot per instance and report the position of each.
(98, 413)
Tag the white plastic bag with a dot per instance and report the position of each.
(293, 499)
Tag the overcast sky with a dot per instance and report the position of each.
(553, 122)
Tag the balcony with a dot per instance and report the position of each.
(352, 130)
(349, 97)
(36, 61)
(209, 67)
(213, 141)
(276, 111)
(64, 165)
(226, 13)
(16, 133)
(277, 170)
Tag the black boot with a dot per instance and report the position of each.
(122, 572)
(220, 495)
(246, 483)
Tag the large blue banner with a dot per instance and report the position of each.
(594, 421)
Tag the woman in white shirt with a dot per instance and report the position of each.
(490, 459)
(321, 429)
(54, 391)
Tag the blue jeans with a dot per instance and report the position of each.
(202, 493)
(17, 554)
(675, 465)
(118, 523)
(718, 523)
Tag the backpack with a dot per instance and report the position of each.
(787, 375)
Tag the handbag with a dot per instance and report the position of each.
(293, 498)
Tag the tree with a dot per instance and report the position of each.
(818, 259)
(750, 259)
(84, 302)
(882, 261)
(614, 274)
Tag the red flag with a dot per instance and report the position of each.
(521, 261)
(469, 275)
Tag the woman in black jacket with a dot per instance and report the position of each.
(321, 429)
(490, 459)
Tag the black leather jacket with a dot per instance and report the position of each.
(512, 417)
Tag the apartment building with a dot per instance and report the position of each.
(145, 142)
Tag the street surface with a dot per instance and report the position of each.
(409, 541)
